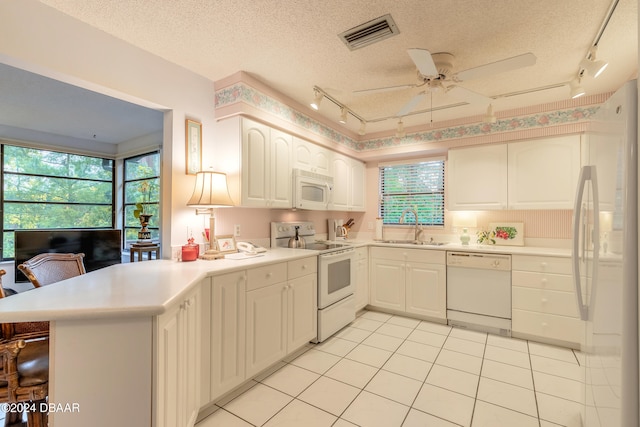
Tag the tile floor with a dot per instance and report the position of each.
(388, 371)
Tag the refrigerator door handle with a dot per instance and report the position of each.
(587, 173)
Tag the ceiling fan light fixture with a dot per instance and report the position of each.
(576, 88)
(363, 126)
(317, 98)
(343, 115)
(591, 65)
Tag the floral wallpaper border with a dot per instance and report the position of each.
(241, 92)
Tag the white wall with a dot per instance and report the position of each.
(40, 39)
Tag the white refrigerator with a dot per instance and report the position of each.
(605, 263)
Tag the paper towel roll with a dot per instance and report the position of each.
(378, 235)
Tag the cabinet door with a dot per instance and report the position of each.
(255, 164)
(543, 174)
(170, 379)
(311, 157)
(426, 290)
(227, 332)
(362, 278)
(266, 327)
(357, 187)
(192, 321)
(477, 178)
(280, 170)
(341, 183)
(387, 284)
(302, 324)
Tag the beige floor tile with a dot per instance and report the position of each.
(258, 404)
(298, 413)
(384, 342)
(417, 418)
(445, 404)
(351, 372)
(460, 361)
(369, 355)
(488, 415)
(370, 410)
(396, 387)
(507, 373)
(329, 395)
(454, 380)
(408, 366)
(508, 396)
(291, 380)
(316, 361)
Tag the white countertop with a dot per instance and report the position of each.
(145, 288)
(148, 288)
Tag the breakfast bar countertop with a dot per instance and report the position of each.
(132, 289)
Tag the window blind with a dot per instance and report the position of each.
(418, 185)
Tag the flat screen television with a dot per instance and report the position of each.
(101, 248)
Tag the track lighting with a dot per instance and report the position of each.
(591, 65)
(576, 88)
(343, 115)
(489, 117)
(400, 129)
(363, 125)
(317, 98)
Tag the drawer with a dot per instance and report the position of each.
(267, 275)
(302, 267)
(529, 279)
(545, 301)
(548, 326)
(541, 264)
(413, 255)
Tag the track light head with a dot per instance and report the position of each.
(363, 125)
(576, 88)
(591, 65)
(400, 130)
(317, 98)
(489, 116)
(343, 115)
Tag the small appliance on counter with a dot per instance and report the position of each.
(336, 229)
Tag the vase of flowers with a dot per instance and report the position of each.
(144, 235)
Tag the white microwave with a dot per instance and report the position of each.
(311, 190)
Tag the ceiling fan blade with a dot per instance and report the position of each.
(467, 95)
(424, 62)
(383, 89)
(487, 70)
(411, 105)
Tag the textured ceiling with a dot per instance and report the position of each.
(293, 45)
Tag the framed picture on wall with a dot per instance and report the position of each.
(193, 142)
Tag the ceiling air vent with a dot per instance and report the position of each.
(369, 32)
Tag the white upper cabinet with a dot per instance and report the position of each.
(477, 178)
(348, 184)
(266, 166)
(543, 173)
(311, 157)
(536, 174)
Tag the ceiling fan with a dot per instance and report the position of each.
(436, 69)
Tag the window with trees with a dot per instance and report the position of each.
(417, 185)
(45, 189)
(141, 185)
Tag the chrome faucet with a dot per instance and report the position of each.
(418, 230)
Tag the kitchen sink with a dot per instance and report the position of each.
(412, 242)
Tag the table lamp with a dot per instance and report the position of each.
(211, 191)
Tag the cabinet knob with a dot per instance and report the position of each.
(543, 265)
(544, 325)
(304, 266)
(544, 300)
(269, 275)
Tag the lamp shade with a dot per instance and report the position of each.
(210, 190)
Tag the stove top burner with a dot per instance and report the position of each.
(325, 246)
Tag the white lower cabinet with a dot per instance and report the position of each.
(544, 304)
(281, 313)
(178, 361)
(409, 280)
(362, 277)
(227, 332)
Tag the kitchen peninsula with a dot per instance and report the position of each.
(118, 337)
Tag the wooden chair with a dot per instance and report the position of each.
(24, 371)
(47, 268)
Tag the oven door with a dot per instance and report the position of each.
(336, 276)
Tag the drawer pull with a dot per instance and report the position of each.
(543, 265)
(544, 300)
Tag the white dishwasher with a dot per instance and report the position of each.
(479, 291)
